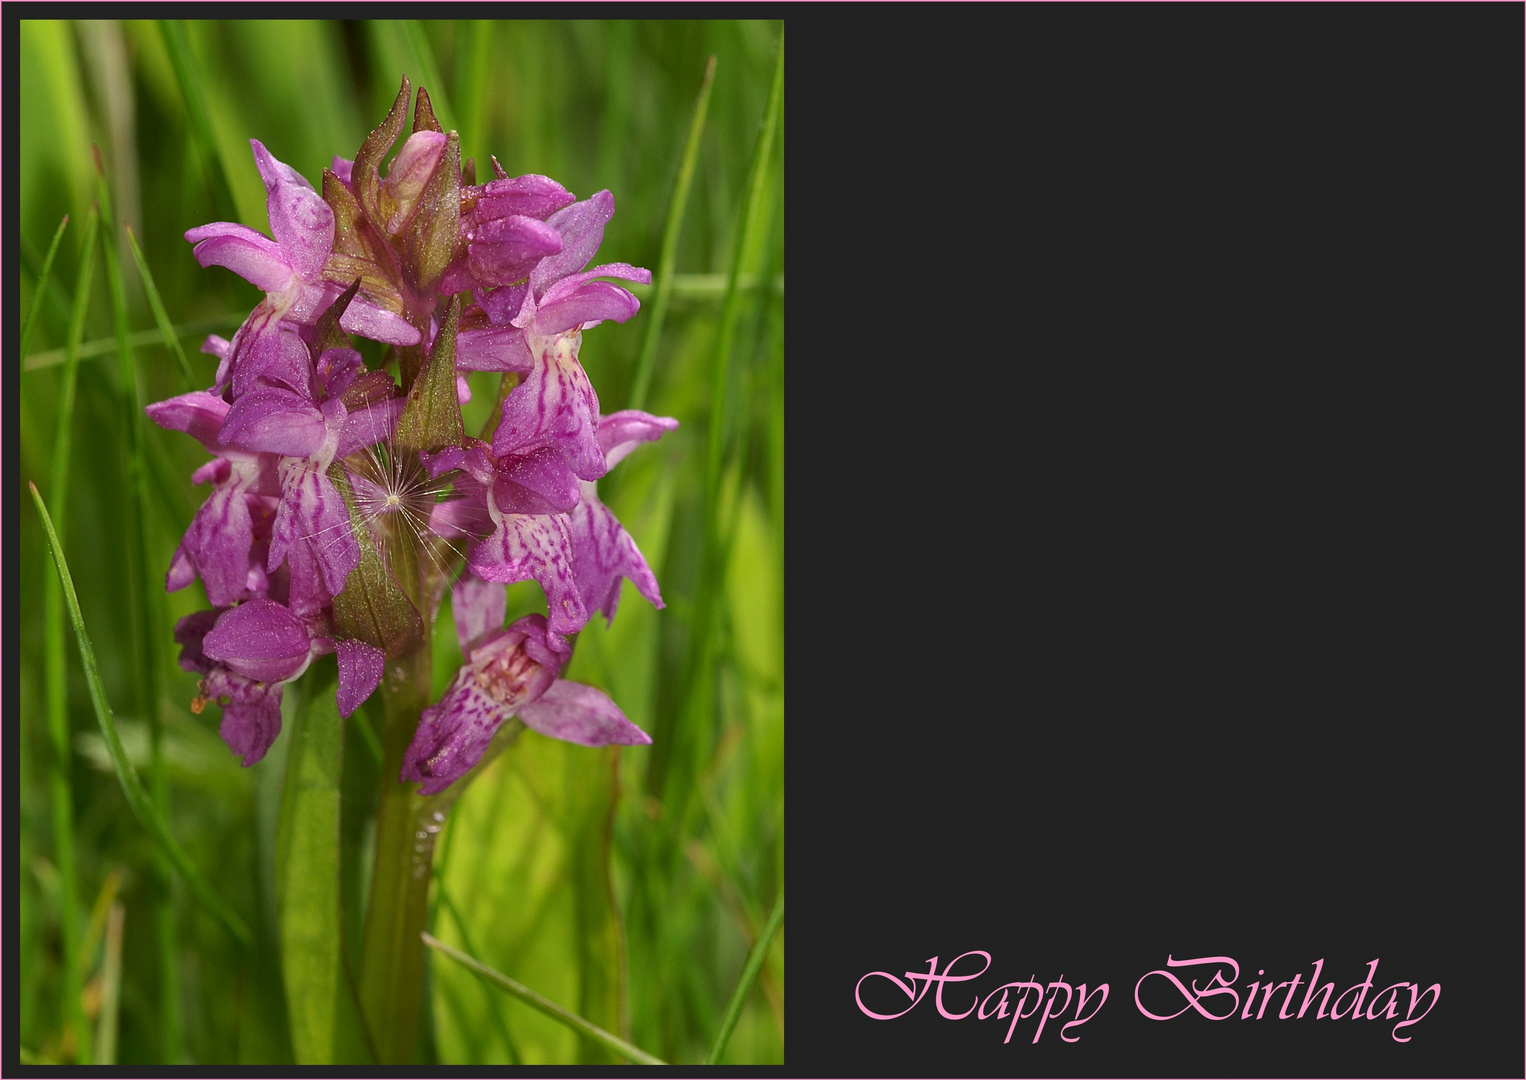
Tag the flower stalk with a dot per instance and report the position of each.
(392, 958)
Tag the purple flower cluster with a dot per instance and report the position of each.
(490, 277)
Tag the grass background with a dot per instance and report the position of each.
(628, 885)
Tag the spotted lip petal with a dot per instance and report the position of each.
(452, 736)
(525, 546)
(603, 553)
(554, 407)
(217, 545)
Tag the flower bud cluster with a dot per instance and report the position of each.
(296, 544)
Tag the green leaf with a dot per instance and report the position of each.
(372, 606)
(545, 1005)
(42, 284)
(132, 787)
(307, 871)
(432, 418)
(354, 239)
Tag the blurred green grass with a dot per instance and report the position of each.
(569, 872)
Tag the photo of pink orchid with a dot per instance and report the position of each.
(403, 618)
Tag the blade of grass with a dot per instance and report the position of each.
(750, 228)
(367, 733)
(127, 776)
(194, 94)
(663, 284)
(96, 929)
(592, 797)
(161, 317)
(493, 1011)
(545, 1005)
(695, 680)
(42, 285)
(471, 90)
(111, 988)
(55, 662)
(146, 593)
(307, 871)
(744, 984)
(137, 339)
(56, 298)
(706, 286)
(429, 73)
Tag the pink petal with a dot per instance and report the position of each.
(275, 420)
(360, 673)
(581, 226)
(539, 547)
(593, 302)
(260, 640)
(478, 607)
(303, 224)
(622, 432)
(452, 736)
(252, 256)
(274, 172)
(198, 414)
(581, 714)
(603, 553)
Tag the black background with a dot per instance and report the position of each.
(1154, 546)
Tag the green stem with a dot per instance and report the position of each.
(392, 953)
